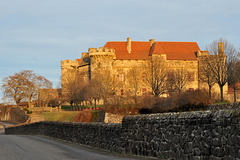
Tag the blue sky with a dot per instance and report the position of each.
(38, 34)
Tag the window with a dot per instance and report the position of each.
(190, 77)
(121, 92)
(144, 91)
(144, 77)
(121, 77)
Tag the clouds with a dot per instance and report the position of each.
(39, 34)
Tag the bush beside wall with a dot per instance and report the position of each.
(186, 135)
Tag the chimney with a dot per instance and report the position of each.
(151, 41)
(220, 48)
(129, 45)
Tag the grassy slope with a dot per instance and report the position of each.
(65, 116)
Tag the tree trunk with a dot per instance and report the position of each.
(95, 101)
(29, 100)
(179, 92)
(221, 90)
(234, 91)
(29, 103)
(103, 103)
(135, 98)
(71, 103)
(210, 91)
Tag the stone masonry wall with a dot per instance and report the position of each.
(187, 135)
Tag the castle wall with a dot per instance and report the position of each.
(71, 71)
(190, 68)
(125, 66)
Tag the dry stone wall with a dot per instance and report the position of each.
(188, 135)
(228, 106)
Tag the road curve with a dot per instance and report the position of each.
(25, 147)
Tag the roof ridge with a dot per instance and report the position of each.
(149, 42)
(176, 41)
(126, 41)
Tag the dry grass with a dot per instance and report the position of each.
(64, 116)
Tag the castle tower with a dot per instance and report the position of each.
(101, 59)
(67, 68)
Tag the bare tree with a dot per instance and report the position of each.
(156, 76)
(92, 91)
(206, 74)
(103, 84)
(221, 52)
(134, 80)
(234, 75)
(73, 86)
(170, 82)
(11, 89)
(233, 68)
(180, 79)
(24, 84)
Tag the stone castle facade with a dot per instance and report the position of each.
(121, 57)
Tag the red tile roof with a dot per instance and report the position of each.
(143, 50)
(177, 50)
(140, 50)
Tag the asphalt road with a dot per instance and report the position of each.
(26, 147)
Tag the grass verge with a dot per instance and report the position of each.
(64, 116)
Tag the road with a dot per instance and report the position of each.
(26, 147)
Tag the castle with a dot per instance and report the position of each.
(123, 57)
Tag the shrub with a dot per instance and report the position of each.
(186, 101)
(121, 105)
(27, 110)
(218, 101)
(149, 103)
(193, 100)
(84, 116)
(95, 116)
